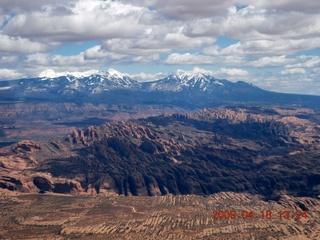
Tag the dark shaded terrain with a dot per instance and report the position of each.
(256, 150)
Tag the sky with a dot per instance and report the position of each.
(274, 45)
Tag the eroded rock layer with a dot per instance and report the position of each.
(267, 151)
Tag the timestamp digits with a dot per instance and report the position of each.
(265, 214)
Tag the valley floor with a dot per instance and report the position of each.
(52, 216)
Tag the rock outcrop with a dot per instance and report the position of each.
(255, 150)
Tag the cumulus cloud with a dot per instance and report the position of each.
(95, 52)
(288, 5)
(18, 6)
(186, 9)
(316, 70)
(9, 74)
(271, 47)
(92, 58)
(20, 45)
(121, 28)
(302, 61)
(85, 20)
(274, 61)
(293, 71)
(36, 63)
(8, 59)
(233, 72)
(155, 45)
(266, 53)
(147, 77)
(100, 54)
(203, 59)
(260, 23)
(287, 83)
(188, 58)
(143, 30)
(305, 62)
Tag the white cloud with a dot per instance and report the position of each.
(131, 28)
(293, 71)
(305, 62)
(146, 59)
(256, 23)
(203, 59)
(97, 53)
(194, 71)
(288, 5)
(188, 58)
(155, 45)
(274, 61)
(186, 9)
(204, 27)
(233, 72)
(19, 45)
(304, 84)
(18, 6)
(86, 20)
(121, 28)
(146, 77)
(8, 59)
(9, 74)
(271, 47)
(36, 63)
(316, 70)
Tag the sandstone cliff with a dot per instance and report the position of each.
(256, 150)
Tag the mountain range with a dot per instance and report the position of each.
(96, 82)
(184, 90)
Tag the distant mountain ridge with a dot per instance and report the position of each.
(95, 82)
(184, 89)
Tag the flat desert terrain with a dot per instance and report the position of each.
(223, 215)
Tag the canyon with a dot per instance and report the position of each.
(266, 151)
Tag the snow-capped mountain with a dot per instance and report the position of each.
(104, 80)
(184, 90)
(72, 83)
(119, 78)
(115, 87)
(199, 82)
(49, 74)
(109, 80)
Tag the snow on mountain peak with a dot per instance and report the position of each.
(196, 73)
(49, 73)
(197, 78)
(114, 73)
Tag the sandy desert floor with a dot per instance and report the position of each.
(224, 215)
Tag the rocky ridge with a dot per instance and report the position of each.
(265, 151)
